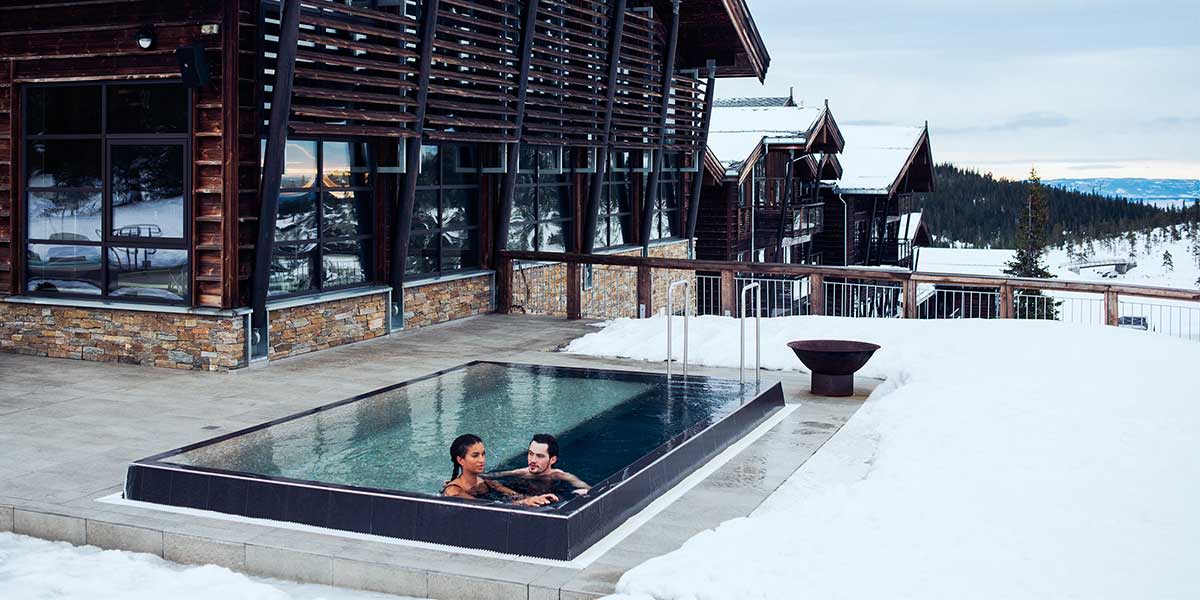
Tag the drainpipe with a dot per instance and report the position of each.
(845, 230)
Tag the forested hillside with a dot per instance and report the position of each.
(979, 210)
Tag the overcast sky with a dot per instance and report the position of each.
(1095, 88)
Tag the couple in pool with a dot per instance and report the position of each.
(469, 459)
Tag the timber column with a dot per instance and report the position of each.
(668, 79)
(504, 214)
(698, 178)
(412, 164)
(616, 29)
(272, 173)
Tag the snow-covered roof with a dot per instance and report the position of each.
(874, 156)
(736, 131)
(753, 102)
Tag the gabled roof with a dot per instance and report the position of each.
(724, 31)
(735, 133)
(880, 160)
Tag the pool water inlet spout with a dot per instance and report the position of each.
(687, 302)
(757, 287)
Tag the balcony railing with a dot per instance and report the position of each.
(608, 286)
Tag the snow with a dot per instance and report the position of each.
(1001, 459)
(874, 156)
(1149, 270)
(33, 569)
(735, 132)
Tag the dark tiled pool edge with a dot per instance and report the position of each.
(505, 530)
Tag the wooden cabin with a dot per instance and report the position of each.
(786, 184)
(763, 190)
(195, 183)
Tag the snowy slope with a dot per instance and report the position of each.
(1133, 188)
(1001, 459)
(1150, 268)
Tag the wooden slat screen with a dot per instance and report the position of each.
(473, 76)
(565, 103)
(639, 86)
(355, 70)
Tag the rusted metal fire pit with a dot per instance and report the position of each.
(833, 363)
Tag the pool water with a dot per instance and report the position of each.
(399, 438)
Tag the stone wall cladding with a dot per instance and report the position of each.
(179, 341)
(441, 301)
(540, 289)
(302, 329)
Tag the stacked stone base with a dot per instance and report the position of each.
(178, 341)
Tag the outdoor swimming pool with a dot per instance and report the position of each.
(375, 463)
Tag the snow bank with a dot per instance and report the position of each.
(1001, 459)
(36, 569)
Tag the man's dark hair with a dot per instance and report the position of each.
(549, 441)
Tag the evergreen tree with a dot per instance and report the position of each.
(1031, 235)
(1031, 248)
(1168, 263)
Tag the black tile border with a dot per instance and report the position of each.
(562, 532)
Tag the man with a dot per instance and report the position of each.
(542, 456)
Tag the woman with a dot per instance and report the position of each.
(469, 459)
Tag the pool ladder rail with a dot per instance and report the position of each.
(757, 334)
(687, 302)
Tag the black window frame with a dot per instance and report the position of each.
(535, 181)
(109, 242)
(627, 177)
(317, 257)
(669, 177)
(439, 232)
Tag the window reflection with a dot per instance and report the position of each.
(147, 191)
(326, 219)
(158, 273)
(64, 269)
(63, 163)
(73, 216)
(445, 230)
(106, 216)
(542, 201)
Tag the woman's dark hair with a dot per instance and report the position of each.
(549, 441)
(458, 449)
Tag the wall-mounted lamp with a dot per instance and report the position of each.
(145, 39)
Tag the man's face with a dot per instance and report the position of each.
(539, 458)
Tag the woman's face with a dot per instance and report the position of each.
(475, 460)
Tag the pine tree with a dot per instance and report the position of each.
(1031, 248)
(1168, 263)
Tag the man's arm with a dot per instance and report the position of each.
(574, 481)
(523, 472)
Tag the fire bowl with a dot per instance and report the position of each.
(833, 363)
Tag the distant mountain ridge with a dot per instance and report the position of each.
(1134, 188)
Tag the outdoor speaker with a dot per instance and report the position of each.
(193, 66)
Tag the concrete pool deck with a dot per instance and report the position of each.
(69, 429)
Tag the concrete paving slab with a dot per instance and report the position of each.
(69, 429)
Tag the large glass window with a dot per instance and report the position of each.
(541, 217)
(323, 228)
(667, 223)
(614, 225)
(445, 228)
(106, 191)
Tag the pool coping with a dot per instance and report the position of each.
(562, 533)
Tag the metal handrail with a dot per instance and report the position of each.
(757, 333)
(687, 301)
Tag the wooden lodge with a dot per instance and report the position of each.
(195, 183)
(786, 184)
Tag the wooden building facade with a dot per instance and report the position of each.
(266, 168)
